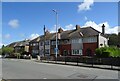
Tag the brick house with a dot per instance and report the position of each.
(34, 46)
(80, 41)
(76, 42)
(21, 46)
(45, 43)
(64, 46)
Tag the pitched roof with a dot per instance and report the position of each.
(22, 43)
(19, 43)
(49, 36)
(41, 38)
(36, 39)
(75, 33)
(84, 32)
(12, 44)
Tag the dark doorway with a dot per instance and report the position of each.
(88, 52)
(65, 53)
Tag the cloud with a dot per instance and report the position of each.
(67, 27)
(1, 44)
(53, 29)
(108, 28)
(7, 36)
(14, 23)
(86, 18)
(22, 35)
(85, 5)
(118, 28)
(33, 36)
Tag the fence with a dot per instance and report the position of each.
(108, 63)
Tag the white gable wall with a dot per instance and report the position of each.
(102, 41)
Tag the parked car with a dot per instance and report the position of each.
(26, 56)
(0, 56)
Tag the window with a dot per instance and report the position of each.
(54, 42)
(34, 51)
(90, 39)
(76, 52)
(47, 43)
(80, 52)
(76, 40)
(79, 40)
(65, 41)
(30, 44)
(35, 44)
(47, 51)
(41, 43)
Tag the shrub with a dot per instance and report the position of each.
(107, 52)
(7, 50)
(98, 52)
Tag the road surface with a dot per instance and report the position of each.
(27, 69)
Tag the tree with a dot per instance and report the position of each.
(7, 50)
(113, 40)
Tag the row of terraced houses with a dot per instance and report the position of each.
(79, 41)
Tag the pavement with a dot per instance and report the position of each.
(29, 69)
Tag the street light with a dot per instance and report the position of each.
(56, 30)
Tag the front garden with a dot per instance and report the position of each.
(106, 52)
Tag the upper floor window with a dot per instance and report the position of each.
(90, 39)
(66, 41)
(76, 40)
(35, 51)
(47, 43)
(41, 43)
(47, 51)
(35, 44)
(30, 44)
(54, 42)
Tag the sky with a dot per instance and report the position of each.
(25, 20)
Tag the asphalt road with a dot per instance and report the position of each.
(27, 69)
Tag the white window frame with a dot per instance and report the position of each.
(74, 52)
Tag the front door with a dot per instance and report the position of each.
(88, 52)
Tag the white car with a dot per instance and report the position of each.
(0, 56)
(26, 56)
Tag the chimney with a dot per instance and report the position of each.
(47, 32)
(60, 30)
(77, 27)
(44, 29)
(103, 29)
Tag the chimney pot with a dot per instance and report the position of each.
(77, 27)
(103, 29)
(60, 30)
(47, 32)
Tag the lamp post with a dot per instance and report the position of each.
(56, 30)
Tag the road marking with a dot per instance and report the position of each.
(44, 78)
